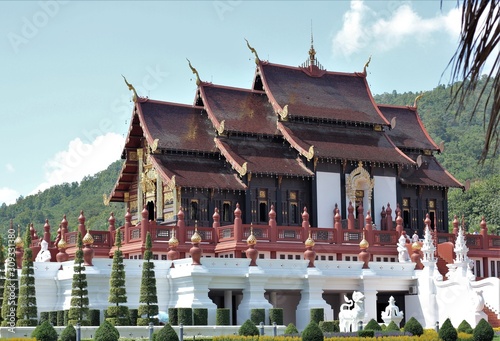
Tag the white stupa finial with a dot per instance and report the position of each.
(461, 248)
(428, 247)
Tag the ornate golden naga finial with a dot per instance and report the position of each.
(243, 169)
(415, 103)
(284, 113)
(257, 60)
(198, 81)
(131, 87)
(310, 153)
(367, 64)
(221, 128)
(106, 199)
(154, 145)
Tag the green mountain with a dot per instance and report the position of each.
(462, 135)
(69, 199)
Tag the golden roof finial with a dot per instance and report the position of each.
(19, 241)
(364, 243)
(251, 240)
(253, 51)
(415, 103)
(173, 241)
(131, 87)
(195, 238)
(88, 239)
(367, 64)
(309, 241)
(312, 51)
(198, 81)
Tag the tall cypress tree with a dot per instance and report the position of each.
(79, 309)
(2, 276)
(148, 297)
(27, 313)
(118, 315)
(11, 288)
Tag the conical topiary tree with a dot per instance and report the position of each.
(465, 327)
(312, 332)
(27, 313)
(2, 276)
(118, 315)
(414, 327)
(11, 288)
(167, 333)
(483, 331)
(79, 309)
(148, 297)
(248, 328)
(106, 332)
(447, 332)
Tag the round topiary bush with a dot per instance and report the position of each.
(328, 327)
(248, 329)
(45, 332)
(312, 332)
(447, 332)
(414, 327)
(106, 332)
(68, 334)
(290, 329)
(392, 326)
(483, 331)
(465, 327)
(167, 333)
(372, 325)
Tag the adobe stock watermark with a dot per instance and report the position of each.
(31, 26)
(10, 274)
(222, 7)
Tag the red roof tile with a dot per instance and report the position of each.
(263, 156)
(409, 131)
(339, 142)
(334, 96)
(197, 172)
(177, 126)
(241, 110)
(430, 173)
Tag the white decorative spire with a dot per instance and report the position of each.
(461, 248)
(428, 247)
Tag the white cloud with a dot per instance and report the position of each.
(363, 27)
(8, 195)
(81, 159)
(10, 168)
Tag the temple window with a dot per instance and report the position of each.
(194, 209)
(263, 209)
(431, 208)
(406, 213)
(151, 210)
(293, 208)
(226, 211)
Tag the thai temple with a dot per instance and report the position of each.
(298, 192)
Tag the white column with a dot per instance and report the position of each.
(228, 303)
(253, 296)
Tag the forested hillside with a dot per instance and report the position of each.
(463, 139)
(67, 199)
(462, 136)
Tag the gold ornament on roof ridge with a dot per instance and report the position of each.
(283, 113)
(195, 72)
(415, 103)
(253, 51)
(221, 128)
(367, 64)
(310, 153)
(131, 87)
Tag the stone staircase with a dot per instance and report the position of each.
(493, 319)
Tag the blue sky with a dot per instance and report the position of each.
(65, 108)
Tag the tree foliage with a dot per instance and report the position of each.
(78, 312)
(118, 314)
(148, 297)
(27, 313)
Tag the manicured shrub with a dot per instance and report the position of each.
(222, 317)
(68, 333)
(53, 318)
(392, 326)
(44, 316)
(447, 332)
(328, 327)
(133, 316)
(173, 317)
(465, 327)
(66, 317)
(317, 315)
(106, 332)
(45, 332)
(257, 315)
(372, 325)
(290, 329)
(483, 331)
(167, 333)
(276, 315)
(185, 316)
(312, 332)
(248, 328)
(200, 316)
(366, 333)
(94, 317)
(414, 327)
(60, 318)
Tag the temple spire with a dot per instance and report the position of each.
(312, 52)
